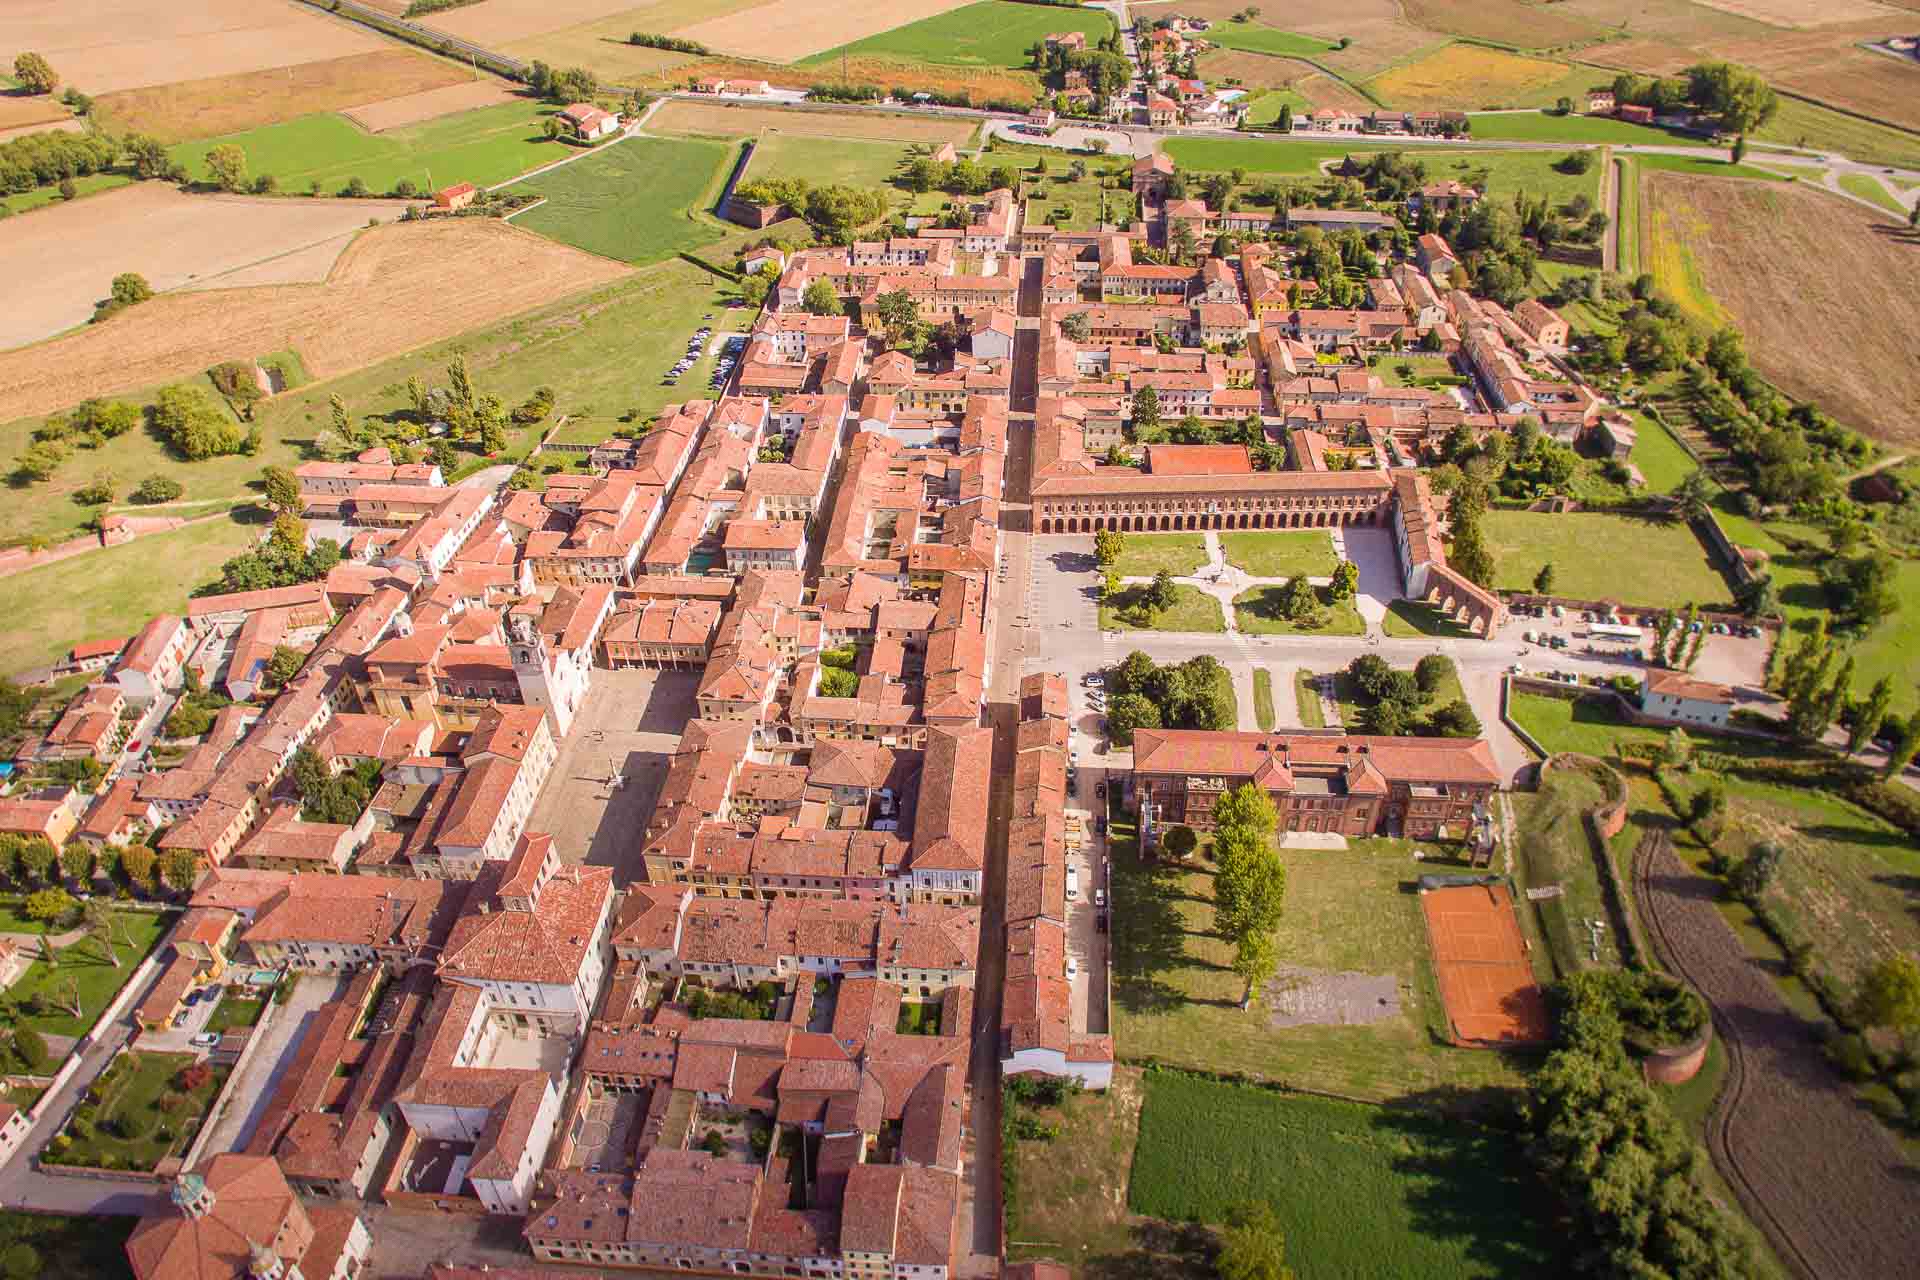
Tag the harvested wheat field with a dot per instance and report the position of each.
(602, 48)
(429, 104)
(68, 125)
(70, 254)
(233, 104)
(788, 30)
(497, 22)
(19, 110)
(1831, 319)
(982, 82)
(394, 289)
(1828, 66)
(1466, 75)
(1811, 13)
(1530, 26)
(107, 45)
(682, 116)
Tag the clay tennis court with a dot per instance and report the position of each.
(1481, 963)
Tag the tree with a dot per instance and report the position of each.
(97, 491)
(158, 489)
(179, 868)
(1180, 841)
(281, 489)
(1254, 958)
(76, 862)
(1692, 497)
(1543, 580)
(1146, 412)
(1107, 545)
(1456, 720)
(1758, 869)
(1432, 671)
(1868, 719)
(1160, 593)
(228, 165)
(1130, 711)
(137, 861)
(49, 905)
(31, 1049)
(1469, 555)
(1077, 327)
(1889, 994)
(37, 860)
(1300, 603)
(285, 663)
(820, 299)
(1346, 581)
(1739, 149)
(1252, 1247)
(1903, 750)
(98, 920)
(35, 73)
(1286, 118)
(129, 288)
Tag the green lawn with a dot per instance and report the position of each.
(636, 201)
(1803, 124)
(1501, 173)
(1145, 554)
(235, 1011)
(994, 33)
(1306, 696)
(1192, 610)
(1264, 106)
(1868, 187)
(1424, 368)
(1359, 1190)
(70, 1248)
(1553, 849)
(1414, 618)
(1255, 38)
(826, 160)
(1082, 203)
(1707, 168)
(1627, 174)
(115, 590)
(1598, 556)
(1263, 699)
(1281, 553)
(1176, 999)
(1257, 612)
(1661, 459)
(1543, 126)
(483, 147)
(1260, 156)
(83, 967)
(141, 1118)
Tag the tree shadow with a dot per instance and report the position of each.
(1162, 1251)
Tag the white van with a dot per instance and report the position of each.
(1073, 882)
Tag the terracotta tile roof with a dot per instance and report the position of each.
(1241, 755)
(548, 944)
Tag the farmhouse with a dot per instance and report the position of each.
(588, 122)
(1680, 699)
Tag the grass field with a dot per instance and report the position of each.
(1255, 38)
(1306, 697)
(1070, 1192)
(1423, 367)
(1661, 460)
(994, 33)
(114, 590)
(235, 1011)
(1803, 124)
(91, 184)
(1259, 157)
(1144, 554)
(637, 201)
(1596, 556)
(133, 1129)
(1868, 187)
(1281, 554)
(83, 966)
(1553, 849)
(1502, 173)
(1257, 612)
(1706, 167)
(1412, 618)
(1544, 126)
(1176, 998)
(826, 160)
(1466, 75)
(1263, 699)
(1359, 1190)
(482, 147)
(1627, 222)
(1082, 203)
(1192, 610)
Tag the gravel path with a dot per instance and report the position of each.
(1815, 1170)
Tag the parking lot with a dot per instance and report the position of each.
(1725, 658)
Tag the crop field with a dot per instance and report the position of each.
(1379, 35)
(992, 33)
(786, 30)
(1255, 37)
(1529, 26)
(1307, 86)
(429, 104)
(19, 109)
(229, 104)
(482, 147)
(71, 254)
(1465, 75)
(1832, 319)
(637, 201)
(500, 22)
(387, 293)
(1359, 1190)
(743, 121)
(112, 591)
(1598, 556)
(1176, 999)
(109, 45)
(603, 48)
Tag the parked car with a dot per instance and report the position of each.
(205, 1040)
(1099, 897)
(1073, 968)
(180, 1018)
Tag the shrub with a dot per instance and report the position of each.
(1851, 1056)
(192, 1076)
(1180, 842)
(158, 489)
